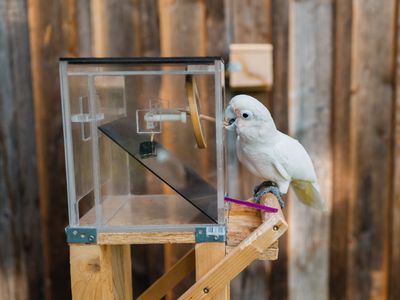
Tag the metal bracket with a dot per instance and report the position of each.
(81, 235)
(210, 233)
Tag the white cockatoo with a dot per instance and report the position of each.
(269, 154)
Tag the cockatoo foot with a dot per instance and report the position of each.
(268, 187)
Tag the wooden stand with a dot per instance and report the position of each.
(103, 270)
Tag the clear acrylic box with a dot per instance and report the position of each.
(144, 142)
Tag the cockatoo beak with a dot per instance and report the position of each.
(230, 118)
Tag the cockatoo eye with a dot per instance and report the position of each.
(231, 121)
(246, 114)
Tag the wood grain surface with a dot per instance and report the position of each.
(311, 109)
(21, 256)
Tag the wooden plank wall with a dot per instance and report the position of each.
(336, 72)
(21, 258)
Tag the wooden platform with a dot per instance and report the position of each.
(241, 222)
(166, 209)
(129, 238)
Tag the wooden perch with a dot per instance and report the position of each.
(214, 281)
(242, 221)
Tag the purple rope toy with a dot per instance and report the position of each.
(252, 205)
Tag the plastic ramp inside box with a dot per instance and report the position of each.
(193, 188)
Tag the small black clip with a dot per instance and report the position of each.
(148, 149)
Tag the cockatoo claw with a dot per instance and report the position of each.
(268, 187)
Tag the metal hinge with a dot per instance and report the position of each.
(81, 235)
(210, 233)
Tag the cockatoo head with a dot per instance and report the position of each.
(248, 116)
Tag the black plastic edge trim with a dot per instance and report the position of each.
(142, 60)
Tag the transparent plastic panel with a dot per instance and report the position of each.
(86, 208)
(150, 202)
(80, 118)
(162, 209)
(110, 97)
(81, 136)
(172, 152)
(172, 171)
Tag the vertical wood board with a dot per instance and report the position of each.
(310, 111)
(100, 272)
(394, 287)
(371, 114)
(341, 143)
(207, 256)
(280, 108)
(21, 260)
(53, 30)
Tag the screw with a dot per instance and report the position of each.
(82, 236)
(91, 238)
(75, 232)
(206, 290)
(215, 238)
(275, 228)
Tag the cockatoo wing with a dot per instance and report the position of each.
(294, 159)
(281, 169)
